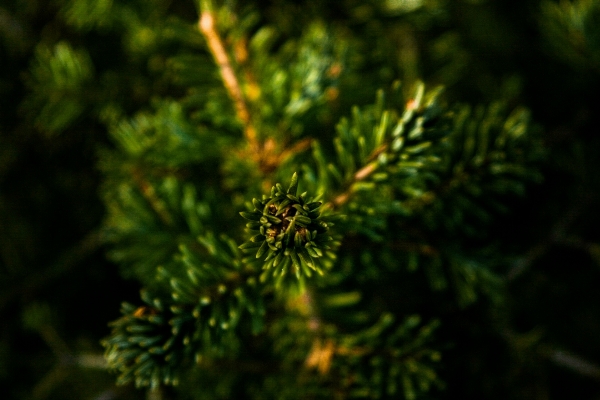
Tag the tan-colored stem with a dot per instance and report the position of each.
(150, 195)
(207, 26)
(360, 175)
(268, 154)
(296, 148)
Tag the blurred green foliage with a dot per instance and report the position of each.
(120, 152)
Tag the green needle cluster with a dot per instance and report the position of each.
(147, 343)
(291, 230)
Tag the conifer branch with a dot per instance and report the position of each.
(266, 154)
(371, 166)
(290, 151)
(360, 175)
(150, 195)
(241, 54)
(52, 379)
(206, 25)
(573, 362)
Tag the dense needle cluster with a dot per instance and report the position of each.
(290, 230)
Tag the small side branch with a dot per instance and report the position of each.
(360, 175)
(268, 154)
(272, 158)
(573, 362)
(206, 25)
(147, 190)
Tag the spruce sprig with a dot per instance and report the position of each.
(289, 230)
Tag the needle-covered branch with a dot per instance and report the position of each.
(291, 234)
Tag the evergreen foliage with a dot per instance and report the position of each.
(317, 199)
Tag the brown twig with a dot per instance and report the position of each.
(150, 195)
(360, 175)
(241, 55)
(267, 155)
(530, 343)
(296, 148)
(272, 160)
(216, 47)
(573, 362)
